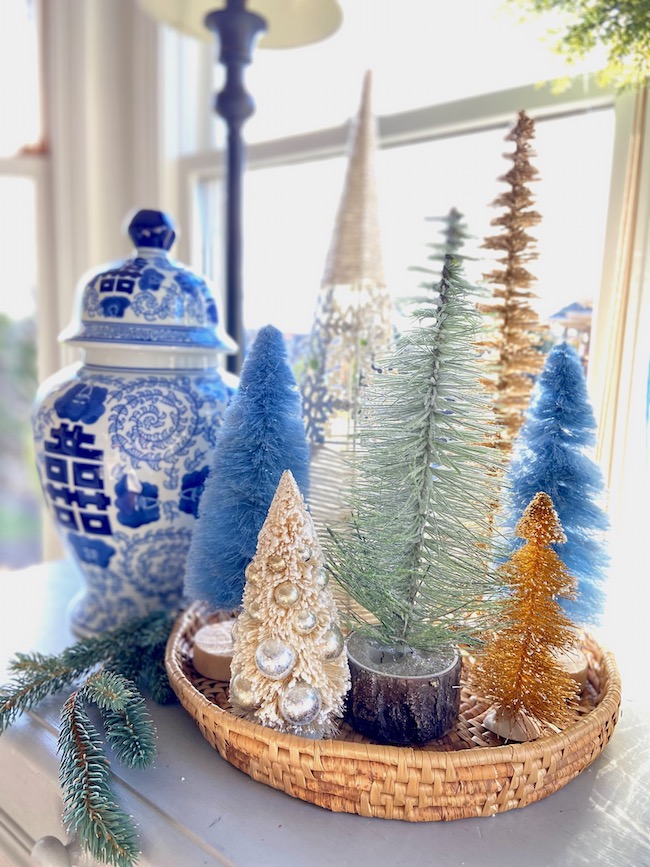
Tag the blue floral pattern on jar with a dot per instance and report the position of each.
(123, 458)
(192, 486)
(136, 507)
(82, 402)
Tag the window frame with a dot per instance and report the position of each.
(34, 164)
(75, 231)
(621, 297)
(36, 168)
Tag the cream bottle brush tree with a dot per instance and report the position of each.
(416, 552)
(289, 666)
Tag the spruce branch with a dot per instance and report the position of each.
(107, 690)
(36, 675)
(154, 674)
(112, 663)
(90, 809)
(128, 726)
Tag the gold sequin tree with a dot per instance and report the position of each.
(519, 669)
(515, 337)
(290, 669)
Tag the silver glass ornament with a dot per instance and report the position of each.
(241, 692)
(255, 610)
(305, 621)
(332, 643)
(275, 659)
(276, 563)
(252, 572)
(286, 594)
(300, 704)
(322, 579)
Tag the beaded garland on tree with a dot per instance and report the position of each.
(290, 668)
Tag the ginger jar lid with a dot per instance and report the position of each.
(148, 299)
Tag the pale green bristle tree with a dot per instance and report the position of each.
(417, 551)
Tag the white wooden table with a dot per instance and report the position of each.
(193, 808)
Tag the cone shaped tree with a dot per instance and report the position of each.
(262, 436)
(515, 337)
(518, 669)
(416, 552)
(352, 322)
(290, 669)
(552, 454)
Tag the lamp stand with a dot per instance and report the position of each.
(236, 28)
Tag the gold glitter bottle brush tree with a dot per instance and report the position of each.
(520, 668)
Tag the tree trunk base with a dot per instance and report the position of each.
(401, 696)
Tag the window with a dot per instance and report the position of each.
(448, 81)
(20, 96)
(21, 181)
(445, 97)
(290, 208)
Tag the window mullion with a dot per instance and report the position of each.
(614, 340)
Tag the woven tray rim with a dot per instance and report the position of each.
(218, 725)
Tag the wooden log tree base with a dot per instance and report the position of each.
(469, 772)
(395, 709)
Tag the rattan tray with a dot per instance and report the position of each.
(469, 772)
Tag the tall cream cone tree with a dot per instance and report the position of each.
(289, 667)
(352, 322)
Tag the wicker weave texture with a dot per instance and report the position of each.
(470, 772)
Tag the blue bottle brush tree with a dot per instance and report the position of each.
(552, 454)
(262, 436)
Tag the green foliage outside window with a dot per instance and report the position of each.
(621, 26)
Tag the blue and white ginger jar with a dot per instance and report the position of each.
(123, 437)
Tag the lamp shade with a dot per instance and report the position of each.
(290, 23)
